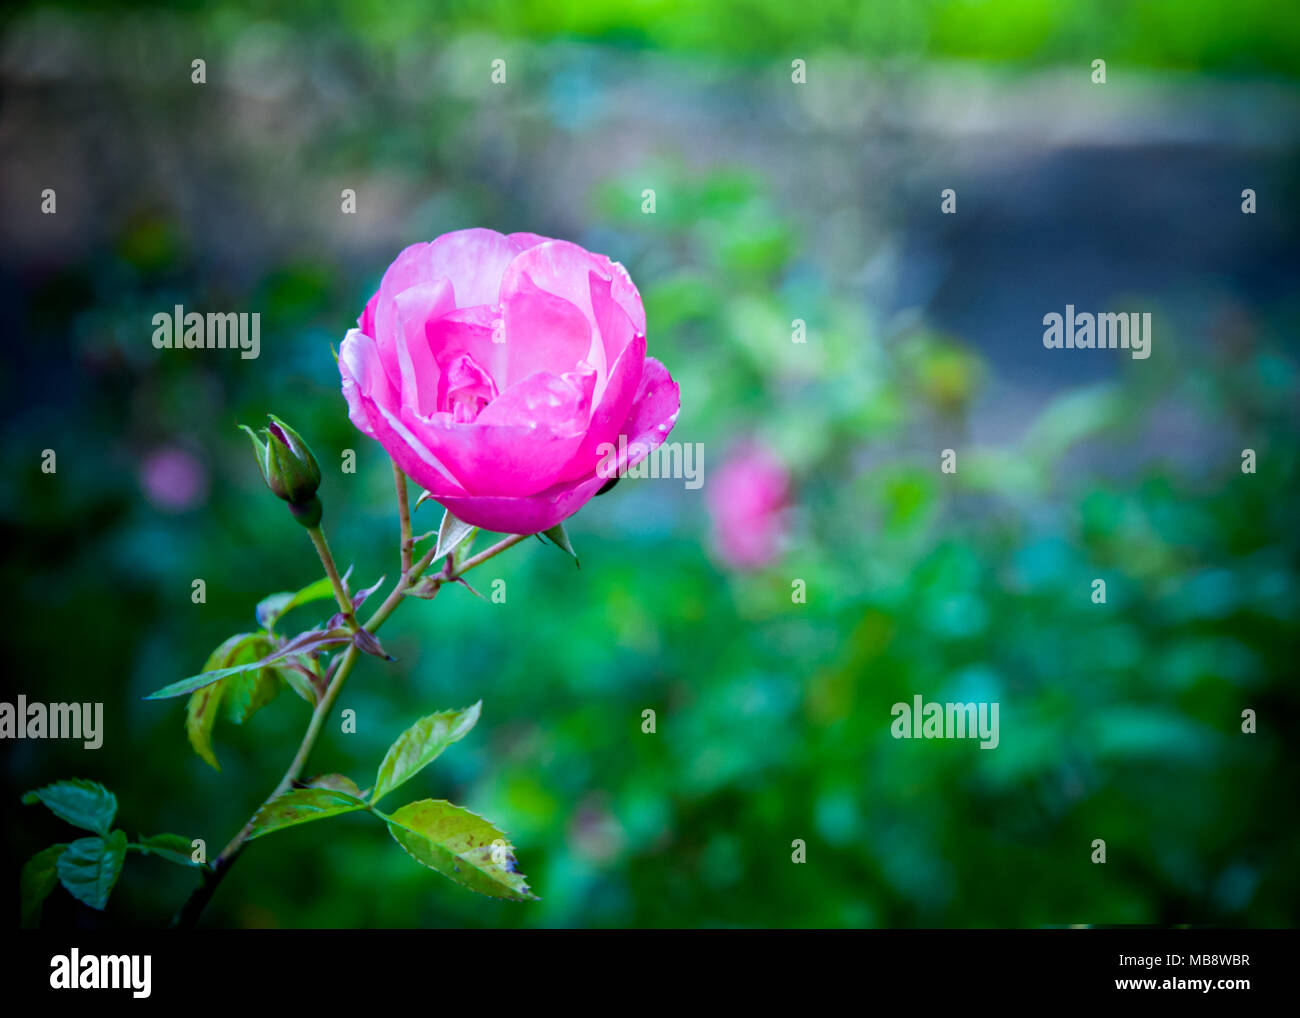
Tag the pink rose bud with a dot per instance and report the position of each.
(748, 501)
(289, 469)
(500, 371)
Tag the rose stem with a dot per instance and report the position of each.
(189, 914)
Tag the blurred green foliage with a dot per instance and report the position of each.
(1234, 36)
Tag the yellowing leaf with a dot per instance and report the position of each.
(460, 845)
(302, 805)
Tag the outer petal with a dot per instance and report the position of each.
(529, 515)
(474, 261)
(417, 307)
(520, 442)
(649, 423)
(408, 269)
(658, 401)
(543, 331)
(523, 241)
(565, 270)
(366, 323)
(369, 394)
(609, 417)
(363, 374)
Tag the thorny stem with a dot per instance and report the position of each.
(189, 914)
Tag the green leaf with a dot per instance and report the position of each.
(238, 696)
(238, 649)
(298, 682)
(247, 693)
(40, 875)
(302, 805)
(85, 804)
(338, 782)
(200, 681)
(460, 845)
(560, 538)
(450, 534)
(304, 643)
(89, 868)
(200, 716)
(171, 847)
(270, 608)
(417, 747)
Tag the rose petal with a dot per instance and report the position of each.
(651, 420)
(523, 241)
(416, 308)
(543, 331)
(487, 459)
(474, 261)
(613, 411)
(469, 331)
(558, 403)
(565, 270)
(368, 392)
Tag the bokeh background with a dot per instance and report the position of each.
(774, 201)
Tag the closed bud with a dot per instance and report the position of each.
(289, 468)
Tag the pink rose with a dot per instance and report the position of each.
(748, 501)
(497, 372)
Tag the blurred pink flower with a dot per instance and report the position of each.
(173, 479)
(748, 500)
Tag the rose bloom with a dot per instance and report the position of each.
(498, 371)
(748, 500)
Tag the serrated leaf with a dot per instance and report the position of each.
(560, 538)
(39, 877)
(417, 747)
(450, 534)
(85, 804)
(171, 847)
(460, 845)
(270, 608)
(338, 782)
(89, 868)
(302, 805)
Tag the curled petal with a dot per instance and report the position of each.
(652, 418)
(543, 332)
